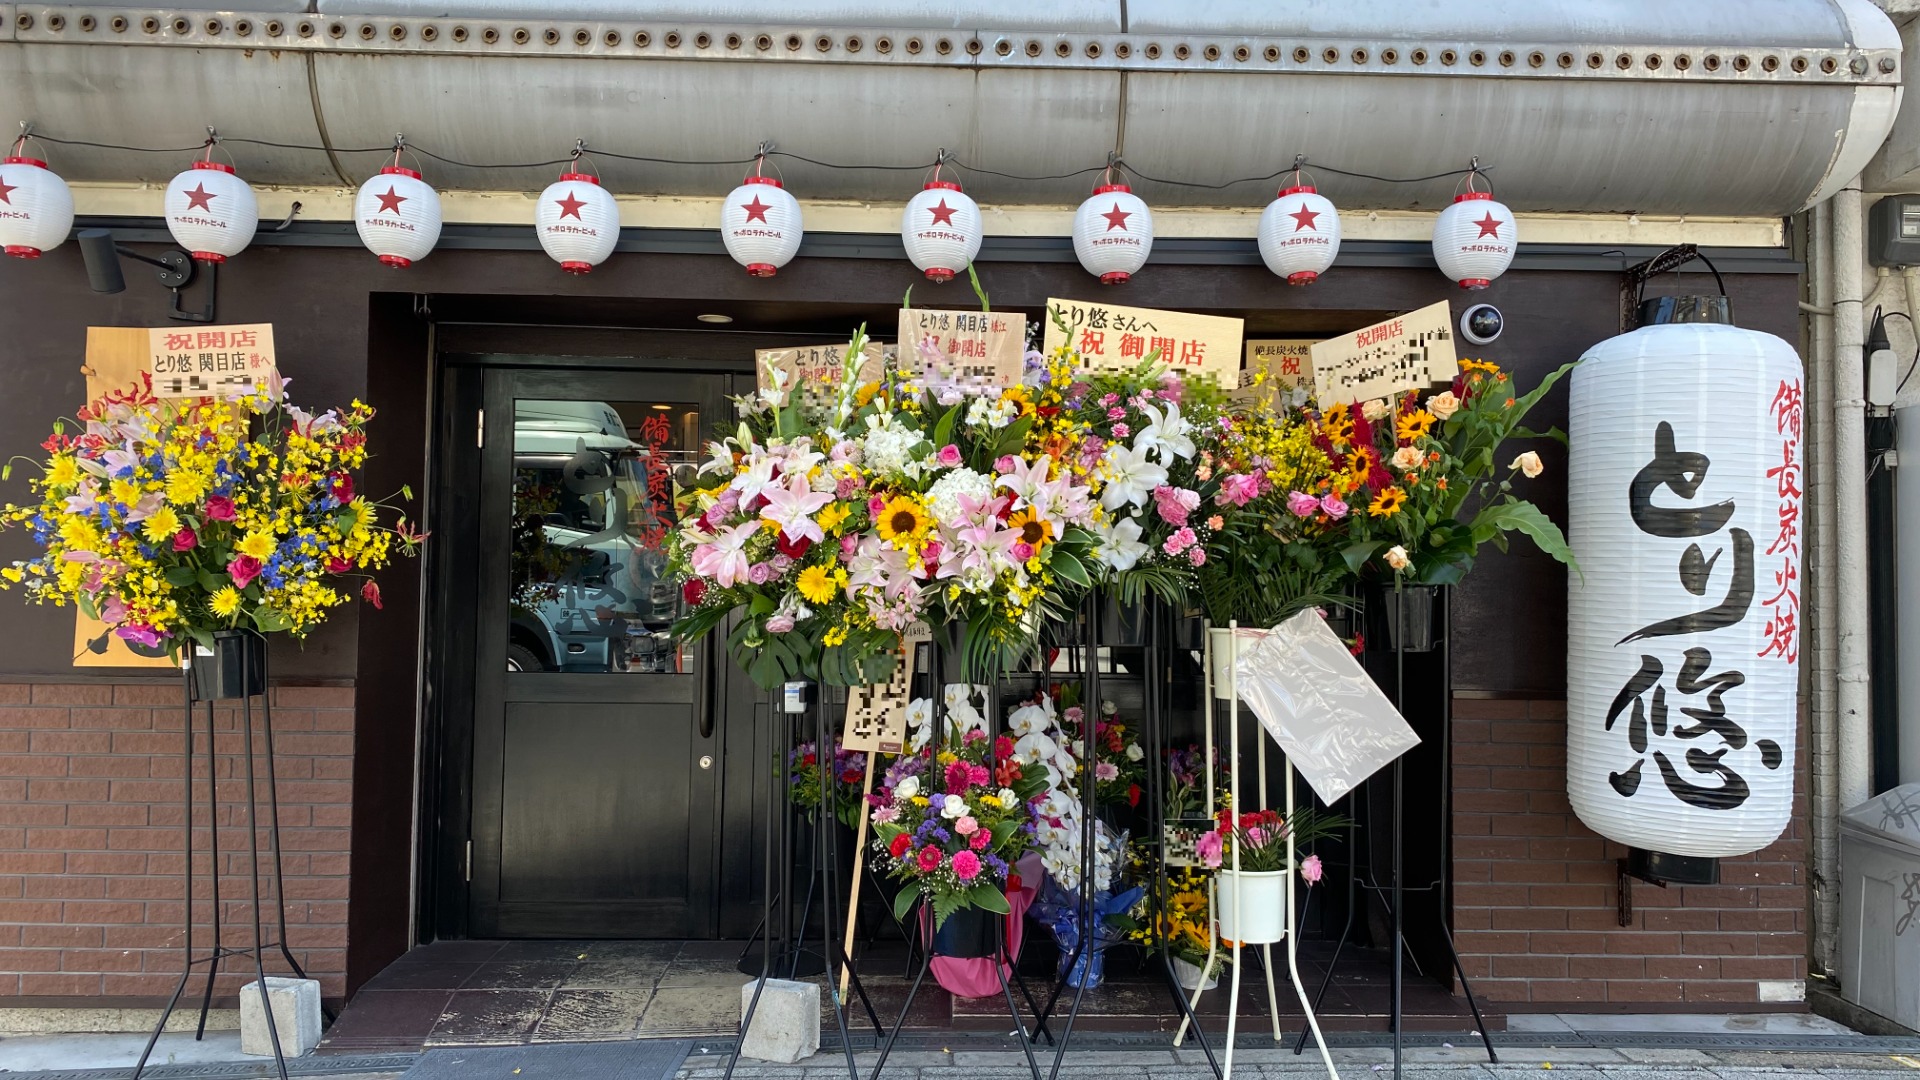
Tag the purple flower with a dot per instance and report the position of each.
(760, 573)
(139, 634)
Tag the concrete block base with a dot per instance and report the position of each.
(296, 1017)
(786, 1024)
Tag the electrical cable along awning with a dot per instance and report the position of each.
(1757, 109)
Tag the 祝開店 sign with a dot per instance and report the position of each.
(1277, 364)
(816, 366)
(1406, 352)
(211, 361)
(984, 348)
(1110, 337)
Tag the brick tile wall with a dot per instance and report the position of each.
(1535, 898)
(91, 893)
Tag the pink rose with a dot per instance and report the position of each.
(949, 457)
(220, 508)
(875, 505)
(1334, 507)
(849, 545)
(759, 573)
(966, 826)
(244, 568)
(1003, 464)
(966, 865)
(844, 487)
(1197, 555)
(1238, 489)
(1021, 551)
(186, 539)
(1311, 870)
(1301, 504)
(932, 552)
(1174, 504)
(779, 624)
(1182, 539)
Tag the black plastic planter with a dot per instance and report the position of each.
(237, 668)
(968, 934)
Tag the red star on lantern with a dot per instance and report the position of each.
(1489, 226)
(756, 210)
(1303, 219)
(570, 206)
(1116, 217)
(390, 201)
(5, 190)
(200, 197)
(942, 214)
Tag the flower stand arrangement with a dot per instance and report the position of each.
(192, 529)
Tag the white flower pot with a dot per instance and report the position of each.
(1190, 977)
(1225, 644)
(1252, 905)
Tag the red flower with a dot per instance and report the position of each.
(340, 485)
(929, 859)
(693, 591)
(900, 845)
(186, 539)
(980, 840)
(1003, 747)
(1359, 644)
(1006, 773)
(1133, 794)
(244, 568)
(220, 508)
(338, 566)
(370, 592)
(792, 549)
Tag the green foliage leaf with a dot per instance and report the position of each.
(1518, 515)
(974, 278)
(903, 903)
(1069, 568)
(1553, 433)
(988, 897)
(181, 576)
(943, 428)
(1357, 555)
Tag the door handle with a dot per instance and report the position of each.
(703, 689)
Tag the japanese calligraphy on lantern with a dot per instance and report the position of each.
(1406, 352)
(971, 349)
(1783, 554)
(211, 361)
(877, 715)
(817, 365)
(1110, 337)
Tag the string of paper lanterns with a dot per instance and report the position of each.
(213, 214)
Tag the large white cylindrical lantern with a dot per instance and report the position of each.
(36, 208)
(1299, 235)
(760, 224)
(398, 216)
(577, 221)
(941, 230)
(1113, 233)
(1474, 239)
(211, 211)
(1684, 507)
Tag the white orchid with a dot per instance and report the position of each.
(1167, 434)
(920, 723)
(1130, 478)
(1120, 545)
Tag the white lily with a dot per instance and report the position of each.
(1130, 478)
(1120, 546)
(1166, 433)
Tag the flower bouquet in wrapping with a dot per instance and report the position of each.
(1427, 489)
(843, 773)
(170, 521)
(833, 521)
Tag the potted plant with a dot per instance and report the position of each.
(1184, 924)
(1249, 853)
(203, 524)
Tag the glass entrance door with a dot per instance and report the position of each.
(597, 744)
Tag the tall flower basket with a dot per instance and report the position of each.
(194, 528)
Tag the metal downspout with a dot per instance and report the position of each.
(1852, 697)
(1822, 751)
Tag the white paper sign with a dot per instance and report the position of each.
(1406, 352)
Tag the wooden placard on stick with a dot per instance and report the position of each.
(1109, 337)
(980, 350)
(877, 715)
(1407, 352)
(1276, 366)
(817, 367)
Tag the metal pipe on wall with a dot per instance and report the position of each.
(1851, 677)
(1822, 747)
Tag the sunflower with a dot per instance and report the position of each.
(816, 584)
(1338, 424)
(1387, 503)
(865, 394)
(1035, 531)
(1413, 425)
(902, 521)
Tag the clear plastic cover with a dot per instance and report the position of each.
(1320, 705)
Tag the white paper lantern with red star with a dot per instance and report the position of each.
(941, 230)
(1299, 235)
(577, 221)
(1113, 233)
(36, 207)
(760, 224)
(1474, 239)
(398, 216)
(211, 211)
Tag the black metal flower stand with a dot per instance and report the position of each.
(783, 949)
(236, 669)
(1408, 615)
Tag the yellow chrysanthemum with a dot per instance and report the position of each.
(833, 516)
(161, 525)
(902, 521)
(225, 602)
(816, 584)
(185, 487)
(1387, 503)
(260, 545)
(124, 491)
(63, 471)
(1413, 425)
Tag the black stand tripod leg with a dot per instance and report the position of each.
(1346, 933)
(279, 876)
(913, 991)
(186, 820)
(1002, 963)
(1466, 988)
(213, 834)
(766, 903)
(258, 947)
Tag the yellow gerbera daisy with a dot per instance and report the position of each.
(226, 602)
(161, 525)
(831, 517)
(902, 521)
(258, 544)
(1413, 425)
(63, 471)
(816, 584)
(1387, 503)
